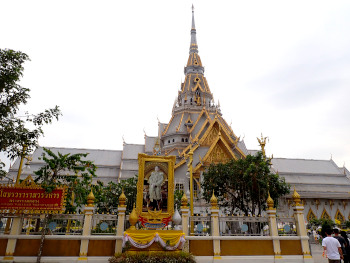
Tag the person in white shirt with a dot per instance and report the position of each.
(332, 248)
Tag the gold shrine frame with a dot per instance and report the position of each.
(146, 164)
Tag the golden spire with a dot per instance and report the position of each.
(122, 199)
(184, 201)
(214, 201)
(133, 218)
(90, 199)
(296, 197)
(269, 202)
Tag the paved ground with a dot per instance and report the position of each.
(316, 251)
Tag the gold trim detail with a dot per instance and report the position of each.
(325, 214)
(339, 216)
(310, 215)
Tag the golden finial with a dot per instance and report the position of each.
(213, 201)
(269, 202)
(133, 218)
(184, 201)
(90, 199)
(296, 197)
(262, 143)
(122, 199)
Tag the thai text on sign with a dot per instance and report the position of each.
(31, 199)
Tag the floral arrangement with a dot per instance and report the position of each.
(156, 257)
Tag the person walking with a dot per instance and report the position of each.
(332, 247)
(347, 247)
(341, 241)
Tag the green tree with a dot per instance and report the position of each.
(177, 199)
(242, 185)
(18, 131)
(71, 170)
(107, 196)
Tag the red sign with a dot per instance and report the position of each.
(31, 199)
(154, 224)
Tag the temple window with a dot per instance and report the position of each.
(195, 190)
(168, 141)
(182, 140)
(179, 187)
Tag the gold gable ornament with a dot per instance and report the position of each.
(311, 215)
(29, 182)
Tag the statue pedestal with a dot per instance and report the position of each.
(151, 241)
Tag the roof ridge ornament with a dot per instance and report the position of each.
(262, 143)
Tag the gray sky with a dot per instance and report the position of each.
(280, 68)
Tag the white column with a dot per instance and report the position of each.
(120, 228)
(16, 229)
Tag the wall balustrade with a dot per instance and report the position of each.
(243, 226)
(104, 224)
(286, 226)
(200, 226)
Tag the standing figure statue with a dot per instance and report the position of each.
(155, 182)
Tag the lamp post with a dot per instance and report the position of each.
(190, 154)
(190, 171)
(9, 220)
(23, 156)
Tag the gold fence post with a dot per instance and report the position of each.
(271, 212)
(121, 220)
(184, 214)
(215, 225)
(88, 212)
(16, 229)
(301, 227)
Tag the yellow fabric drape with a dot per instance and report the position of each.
(144, 236)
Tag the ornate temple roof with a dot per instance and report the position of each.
(196, 120)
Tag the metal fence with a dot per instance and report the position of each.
(5, 222)
(243, 226)
(286, 226)
(60, 224)
(66, 224)
(104, 224)
(200, 225)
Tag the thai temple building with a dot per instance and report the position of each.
(196, 124)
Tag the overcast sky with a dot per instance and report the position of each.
(280, 68)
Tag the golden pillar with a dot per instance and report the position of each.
(121, 219)
(214, 209)
(301, 228)
(9, 220)
(184, 214)
(271, 213)
(190, 170)
(88, 211)
(16, 229)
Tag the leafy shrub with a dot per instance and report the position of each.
(157, 257)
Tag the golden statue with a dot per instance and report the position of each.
(262, 143)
